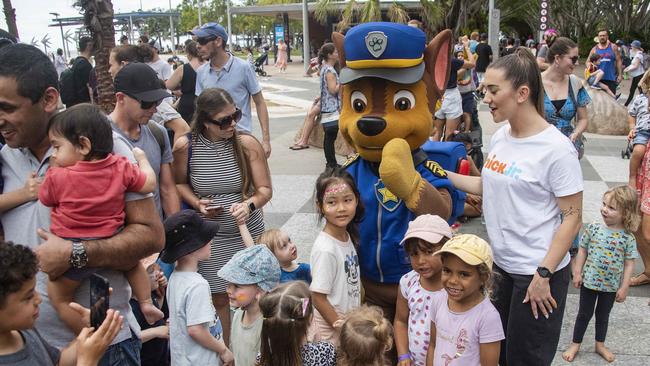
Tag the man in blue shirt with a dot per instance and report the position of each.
(232, 74)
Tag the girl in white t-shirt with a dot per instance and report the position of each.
(336, 284)
(532, 187)
(465, 326)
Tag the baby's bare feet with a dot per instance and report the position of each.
(570, 354)
(604, 352)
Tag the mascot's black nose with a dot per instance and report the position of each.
(371, 126)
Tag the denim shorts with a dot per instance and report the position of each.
(641, 137)
(591, 79)
(125, 353)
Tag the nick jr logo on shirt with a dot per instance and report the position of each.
(509, 169)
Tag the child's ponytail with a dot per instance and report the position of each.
(365, 337)
(287, 312)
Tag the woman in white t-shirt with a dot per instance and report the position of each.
(532, 199)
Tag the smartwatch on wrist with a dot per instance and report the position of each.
(78, 257)
(251, 207)
(544, 272)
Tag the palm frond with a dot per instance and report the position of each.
(397, 14)
(324, 8)
(433, 14)
(371, 12)
(350, 13)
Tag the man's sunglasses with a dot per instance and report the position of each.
(205, 40)
(226, 121)
(146, 105)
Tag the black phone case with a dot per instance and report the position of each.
(98, 300)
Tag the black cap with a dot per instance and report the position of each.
(139, 81)
(186, 232)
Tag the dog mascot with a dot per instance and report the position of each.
(391, 83)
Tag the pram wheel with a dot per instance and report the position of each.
(263, 73)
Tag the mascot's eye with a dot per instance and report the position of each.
(404, 100)
(358, 101)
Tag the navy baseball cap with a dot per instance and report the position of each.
(139, 81)
(384, 50)
(211, 30)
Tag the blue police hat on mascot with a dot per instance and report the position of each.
(384, 50)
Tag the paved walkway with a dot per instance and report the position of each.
(291, 209)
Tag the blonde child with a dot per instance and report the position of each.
(285, 252)
(366, 337)
(604, 266)
(85, 187)
(465, 326)
(250, 274)
(287, 312)
(195, 331)
(639, 121)
(424, 237)
(336, 284)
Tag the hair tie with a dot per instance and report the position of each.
(305, 305)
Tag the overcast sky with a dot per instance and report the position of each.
(33, 18)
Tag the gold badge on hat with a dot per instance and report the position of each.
(376, 43)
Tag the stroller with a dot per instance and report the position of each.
(627, 152)
(258, 64)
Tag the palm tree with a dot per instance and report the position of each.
(98, 19)
(46, 42)
(10, 16)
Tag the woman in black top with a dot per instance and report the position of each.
(185, 79)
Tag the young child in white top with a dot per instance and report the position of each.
(195, 332)
(424, 237)
(336, 284)
(465, 326)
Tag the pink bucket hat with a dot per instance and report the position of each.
(430, 228)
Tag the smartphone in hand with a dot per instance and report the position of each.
(98, 300)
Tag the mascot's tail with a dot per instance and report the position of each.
(451, 156)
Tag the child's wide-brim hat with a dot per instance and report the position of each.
(186, 232)
(470, 249)
(430, 228)
(255, 265)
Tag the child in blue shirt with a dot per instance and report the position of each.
(284, 251)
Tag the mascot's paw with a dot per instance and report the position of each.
(397, 172)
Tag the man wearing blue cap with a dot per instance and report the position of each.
(232, 74)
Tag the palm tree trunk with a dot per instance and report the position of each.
(105, 89)
(98, 19)
(10, 16)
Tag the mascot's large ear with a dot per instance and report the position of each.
(437, 58)
(337, 39)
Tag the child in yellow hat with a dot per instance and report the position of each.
(465, 326)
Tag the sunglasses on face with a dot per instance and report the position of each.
(205, 40)
(574, 59)
(226, 121)
(146, 105)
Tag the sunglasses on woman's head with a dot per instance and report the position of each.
(205, 40)
(226, 121)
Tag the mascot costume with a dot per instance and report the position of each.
(391, 82)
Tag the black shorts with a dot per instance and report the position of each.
(469, 103)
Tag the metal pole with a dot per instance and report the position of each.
(200, 23)
(229, 23)
(306, 55)
(65, 49)
(171, 27)
(130, 29)
(493, 30)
